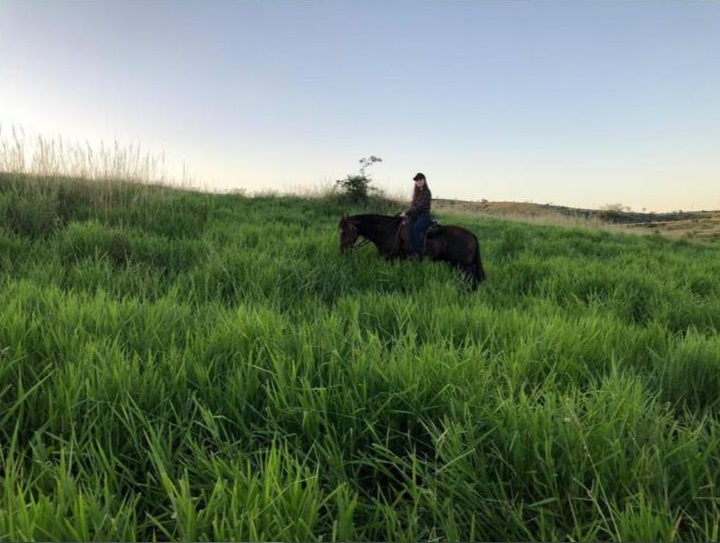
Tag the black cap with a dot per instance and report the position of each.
(419, 176)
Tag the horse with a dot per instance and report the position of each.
(455, 245)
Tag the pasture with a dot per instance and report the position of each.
(177, 365)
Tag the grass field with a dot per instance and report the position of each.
(185, 366)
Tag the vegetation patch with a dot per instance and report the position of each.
(176, 365)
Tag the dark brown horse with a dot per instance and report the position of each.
(453, 244)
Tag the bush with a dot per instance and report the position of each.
(357, 187)
(611, 212)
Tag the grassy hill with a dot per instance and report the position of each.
(179, 365)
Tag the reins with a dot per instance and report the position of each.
(363, 242)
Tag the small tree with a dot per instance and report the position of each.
(357, 187)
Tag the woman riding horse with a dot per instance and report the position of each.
(453, 244)
(418, 214)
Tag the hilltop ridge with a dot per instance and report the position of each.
(704, 225)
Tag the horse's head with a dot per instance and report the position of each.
(348, 233)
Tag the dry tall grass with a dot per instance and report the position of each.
(50, 177)
(42, 156)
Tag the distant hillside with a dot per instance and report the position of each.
(703, 225)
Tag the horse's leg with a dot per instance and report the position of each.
(403, 239)
(424, 249)
(473, 279)
(394, 248)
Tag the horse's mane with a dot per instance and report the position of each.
(373, 218)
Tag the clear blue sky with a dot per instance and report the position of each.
(583, 103)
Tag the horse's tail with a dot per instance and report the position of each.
(477, 267)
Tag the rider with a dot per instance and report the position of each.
(418, 213)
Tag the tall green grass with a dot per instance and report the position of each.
(185, 366)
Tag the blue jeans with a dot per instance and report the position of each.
(418, 226)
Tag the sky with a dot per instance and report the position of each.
(582, 103)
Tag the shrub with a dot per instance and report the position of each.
(610, 212)
(357, 187)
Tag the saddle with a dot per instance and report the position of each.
(431, 230)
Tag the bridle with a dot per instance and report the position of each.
(364, 242)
